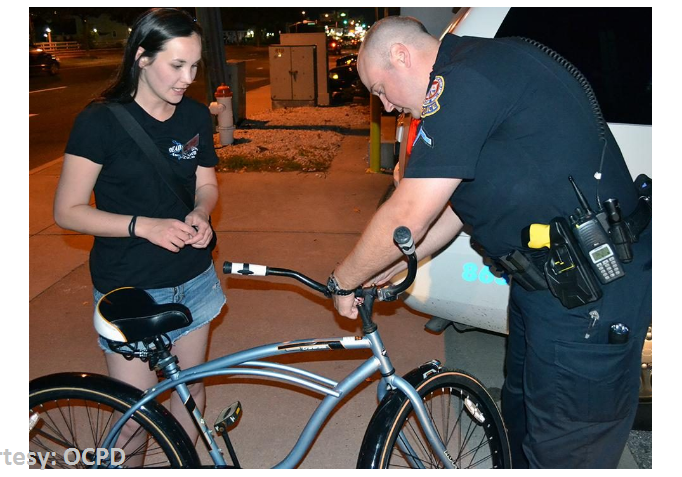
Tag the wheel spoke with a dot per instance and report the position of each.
(457, 405)
(82, 423)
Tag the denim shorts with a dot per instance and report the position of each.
(203, 295)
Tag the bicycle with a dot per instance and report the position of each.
(431, 417)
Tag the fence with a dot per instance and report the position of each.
(71, 46)
(58, 45)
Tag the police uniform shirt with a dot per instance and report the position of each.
(513, 123)
(129, 184)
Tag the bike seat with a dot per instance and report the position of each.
(130, 315)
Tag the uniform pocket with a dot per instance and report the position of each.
(594, 381)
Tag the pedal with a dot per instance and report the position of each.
(228, 418)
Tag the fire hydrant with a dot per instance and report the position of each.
(223, 109)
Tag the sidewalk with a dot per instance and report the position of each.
(306, 222)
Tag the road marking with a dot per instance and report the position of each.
(49, 89)
(29, 115)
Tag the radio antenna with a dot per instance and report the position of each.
(581, 197)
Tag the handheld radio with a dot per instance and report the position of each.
(594, 241)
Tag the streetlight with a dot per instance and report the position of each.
(49, 36)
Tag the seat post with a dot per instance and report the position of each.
(162, 360)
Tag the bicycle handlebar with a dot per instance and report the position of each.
(403, 239)
(262, 270)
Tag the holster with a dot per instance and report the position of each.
(523, 271)
(639, 220)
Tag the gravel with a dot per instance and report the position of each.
(291, 139)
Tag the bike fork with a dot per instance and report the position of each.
(423, 416)
(390, 379)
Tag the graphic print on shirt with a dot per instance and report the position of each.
(187, 151)
(431, 105)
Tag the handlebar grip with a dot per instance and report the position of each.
(403, 238)
(235, 268)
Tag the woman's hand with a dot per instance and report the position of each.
(170, 234)
(201, 229)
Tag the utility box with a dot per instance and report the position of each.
(236, 80)
(318, 39)
(293, 81)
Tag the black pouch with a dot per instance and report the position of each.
(569, 276)
(523, 271)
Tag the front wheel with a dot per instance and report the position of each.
(465, 416)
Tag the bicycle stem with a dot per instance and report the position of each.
(366, 308)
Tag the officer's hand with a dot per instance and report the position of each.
(346, 305)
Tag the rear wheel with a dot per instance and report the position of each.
(463, 413)
(72, 422)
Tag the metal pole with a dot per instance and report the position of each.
(215, 72)
(374, 134)
(375, 127)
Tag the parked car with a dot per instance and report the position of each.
(40, 61)
(347, 60)
(344, 80)
(612, 48)
(342, 77)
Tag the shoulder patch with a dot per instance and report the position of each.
(431, 105)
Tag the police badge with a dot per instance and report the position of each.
(431, 105)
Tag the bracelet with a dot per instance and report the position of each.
(334, 289)
(131, 227)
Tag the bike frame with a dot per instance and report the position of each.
(247, 363)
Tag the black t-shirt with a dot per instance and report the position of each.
(513, 124)
(129, 184)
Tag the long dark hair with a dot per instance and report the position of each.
(151, 31)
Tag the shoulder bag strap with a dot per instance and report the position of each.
(159, 162)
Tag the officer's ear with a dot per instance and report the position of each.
(400, 56)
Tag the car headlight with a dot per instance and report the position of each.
(334, 76)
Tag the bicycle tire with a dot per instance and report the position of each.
(77, 410)
(478, 438)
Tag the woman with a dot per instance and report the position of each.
(144, 236)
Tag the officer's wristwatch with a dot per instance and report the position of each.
(335, 289)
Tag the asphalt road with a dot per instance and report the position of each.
(55, 101)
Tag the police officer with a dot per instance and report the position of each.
(502, 127)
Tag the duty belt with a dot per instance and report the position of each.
(527, 267)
